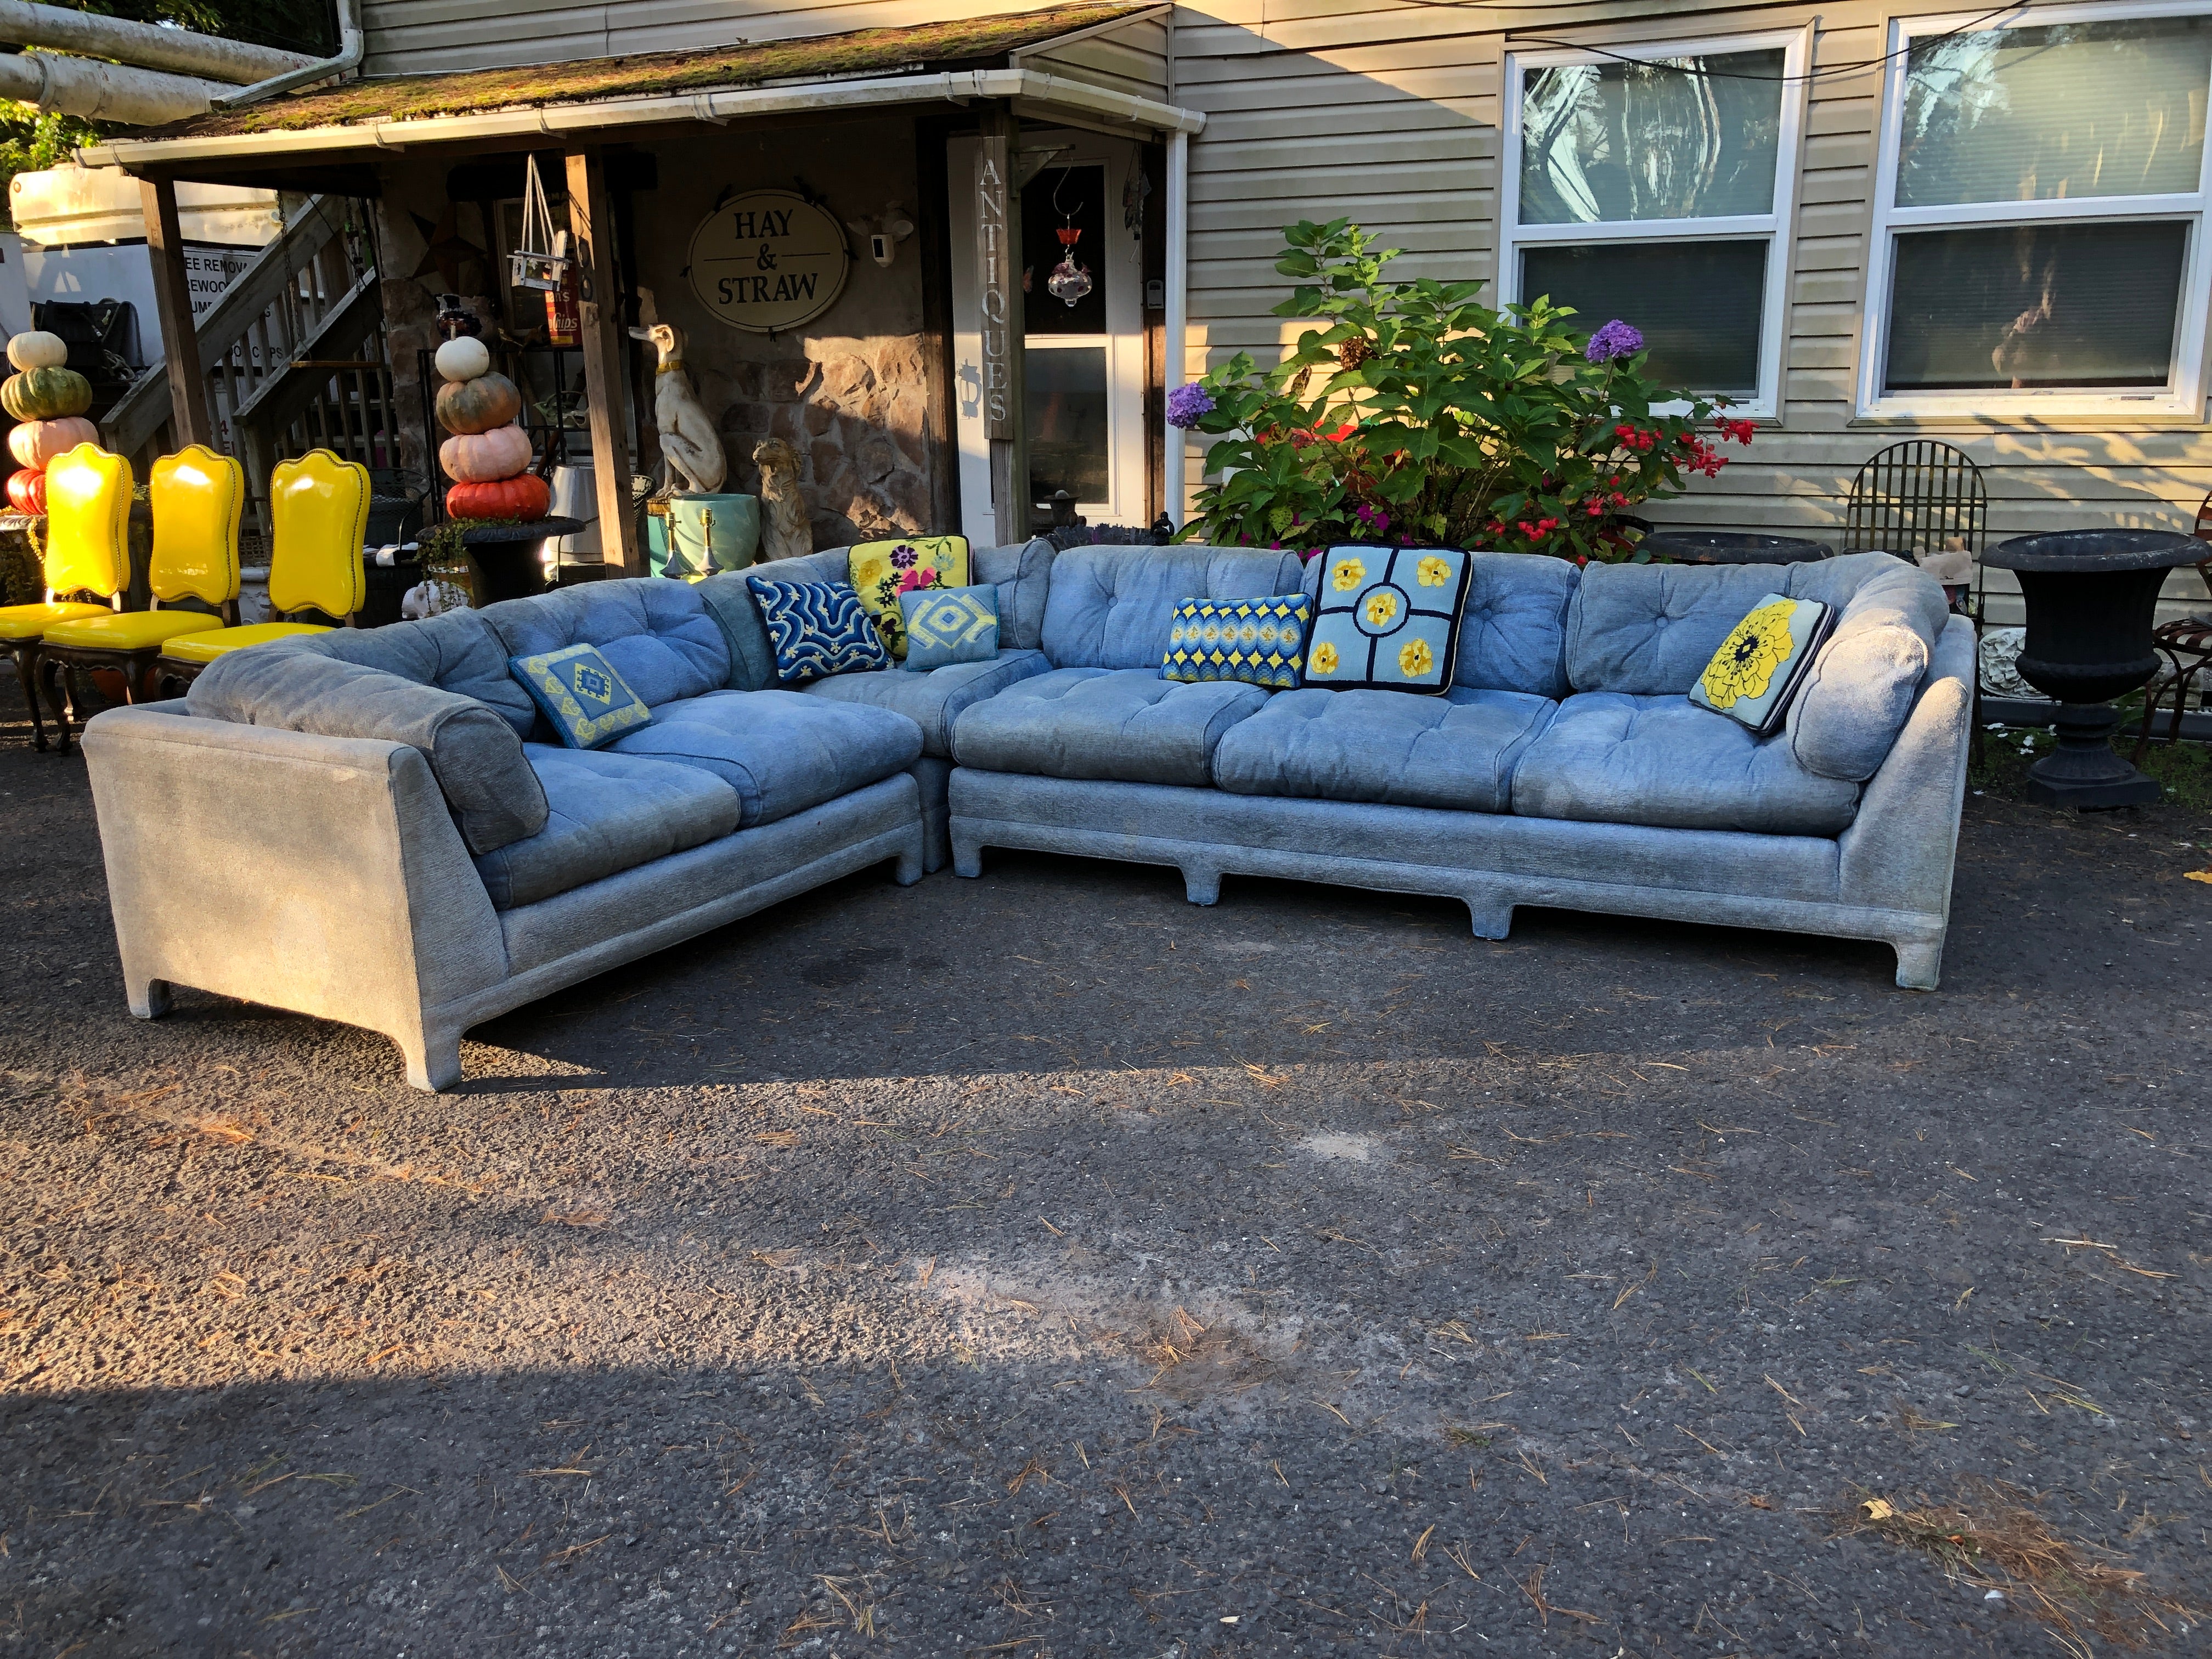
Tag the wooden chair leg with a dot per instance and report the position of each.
(27, 672)
(64, 684)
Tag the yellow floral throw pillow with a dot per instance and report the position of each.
(881, 571)
(1764, 660)
(1389, 618)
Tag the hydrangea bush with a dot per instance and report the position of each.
(1416, 414)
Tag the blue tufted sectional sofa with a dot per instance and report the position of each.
(373, 827)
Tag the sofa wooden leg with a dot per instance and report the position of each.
(1491, 918)
(434, 1061)
(148, 998)
(1919, 963)
(1201, 886)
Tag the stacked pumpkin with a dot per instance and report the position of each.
(49, 398)
(488, 457)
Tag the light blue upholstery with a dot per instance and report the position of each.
(935, 700)
(1111, 607)
(657, 634)
(1126, 723)
(608, 813)
(1608, 757)
(1023, 574)
(1457, 750)
(1649, 629)
(1862, 686)
(752, 654)
(458, 651)
(782, 751)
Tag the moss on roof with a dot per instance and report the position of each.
(970, 43)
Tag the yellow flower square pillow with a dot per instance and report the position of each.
(881, 571)
(1764, 660)
(1389, 618)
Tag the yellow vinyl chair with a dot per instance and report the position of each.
(197, 497)
(88, 553)
(318, 514)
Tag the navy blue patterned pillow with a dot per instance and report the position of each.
(816, 629)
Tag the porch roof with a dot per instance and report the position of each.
(974, 58)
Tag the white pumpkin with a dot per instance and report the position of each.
(36, 349)
(483, 457)
(463, 359)
(36, 442)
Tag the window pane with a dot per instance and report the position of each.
(2057, 113)
(1697, 304)
(2025, 305)
(1081, 193)
(1068, 424)
(1686, 138)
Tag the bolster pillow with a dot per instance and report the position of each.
(474, 754)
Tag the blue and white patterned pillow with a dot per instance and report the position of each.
(816, 629)
(1258, 641)
(949, 625)
(580, 694)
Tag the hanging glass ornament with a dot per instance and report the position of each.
(1069, 280)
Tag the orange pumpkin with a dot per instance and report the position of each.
(478, 405)
(36, 442)
(26, 490)
(483, 457)
(523, 496)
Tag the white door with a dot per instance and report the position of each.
(1084, 362)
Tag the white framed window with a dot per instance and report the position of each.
(1654, 183)
(2038, 239)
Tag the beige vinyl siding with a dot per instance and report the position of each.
(1388, 114)
(1131, 58)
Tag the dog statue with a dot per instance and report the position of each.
(687, 440)
(786, 527)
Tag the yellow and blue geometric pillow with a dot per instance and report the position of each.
(1257, 641)
(580, 694)
(883, 572)
(816, 629)
(1389, 618)
(946, 625)
(1763, 661)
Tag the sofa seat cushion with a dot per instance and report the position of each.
(933, 700)
(1455, 750)
(1609, 758)
(607, 813)
(658, 634)
(1126, 724)
(782, 751)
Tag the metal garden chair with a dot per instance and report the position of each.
(2186, 646)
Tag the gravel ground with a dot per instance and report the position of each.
(1039, 1266)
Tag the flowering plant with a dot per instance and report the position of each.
(1415, 413)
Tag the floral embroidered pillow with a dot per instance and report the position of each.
(1388, 618)
(1763, 662)
(881, 571)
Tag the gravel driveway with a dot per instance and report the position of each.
(1041, 1266)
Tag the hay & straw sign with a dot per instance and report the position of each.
(768, 260)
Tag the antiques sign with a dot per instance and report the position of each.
(769, 261)
(995, 261)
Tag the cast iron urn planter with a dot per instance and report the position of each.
(2091, 597)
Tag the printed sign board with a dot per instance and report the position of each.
(769, 261)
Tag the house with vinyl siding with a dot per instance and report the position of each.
(1862, 225)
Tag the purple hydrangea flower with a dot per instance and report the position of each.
(1615, 339)
(1186, 404)
(1375, 518)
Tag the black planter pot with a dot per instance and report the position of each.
(2092, 598)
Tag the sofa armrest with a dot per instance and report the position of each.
(1898, 852)
(319, 874)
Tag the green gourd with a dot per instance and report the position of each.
(46, 394)
(478, 405)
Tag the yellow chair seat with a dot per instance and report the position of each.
(206, 647)
(30, 622)
(133, 630)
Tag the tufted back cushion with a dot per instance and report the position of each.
(1861, 687)
(655, 633)
(1023, 576)
(1649, 629)
(458, 652)
(1111, 607)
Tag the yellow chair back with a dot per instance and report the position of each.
(89, 522)
(318, 513)
(199, 497)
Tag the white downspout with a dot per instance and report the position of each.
(1173, 489)
(350, 53)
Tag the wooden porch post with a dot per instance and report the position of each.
(173, 308)
(606, 383)
(998, 261)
